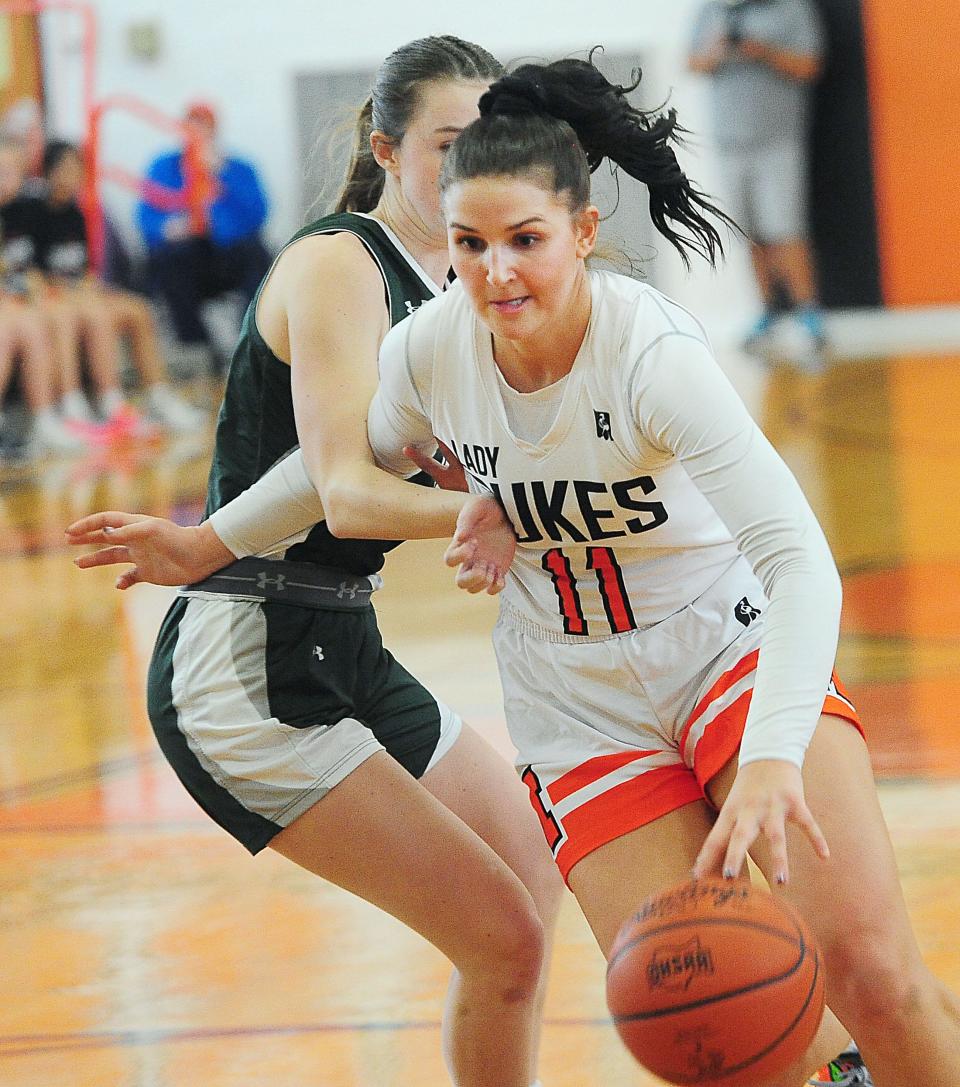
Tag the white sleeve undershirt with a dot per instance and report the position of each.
(399, 413)
(683, 404)
(272, 514)
(281, 507)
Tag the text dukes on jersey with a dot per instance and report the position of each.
(625, 534)
(605, 543)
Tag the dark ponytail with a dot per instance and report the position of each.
(562, 120)
(394, 101)
(364, 182)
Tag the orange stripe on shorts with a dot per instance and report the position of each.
(590, 771)
(627, 806)
(742, 668)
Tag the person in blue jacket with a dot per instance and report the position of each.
(200, 214)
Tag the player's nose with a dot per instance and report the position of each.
(499, 265)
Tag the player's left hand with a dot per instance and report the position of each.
(449, 476)
(482, 547)
(765, 796)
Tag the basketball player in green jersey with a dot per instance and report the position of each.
(269, 689)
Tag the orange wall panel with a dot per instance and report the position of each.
(913, 71)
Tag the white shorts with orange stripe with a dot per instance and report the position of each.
(614, 733)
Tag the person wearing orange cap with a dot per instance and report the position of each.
(200, 214)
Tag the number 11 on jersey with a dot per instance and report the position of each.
(603, 562)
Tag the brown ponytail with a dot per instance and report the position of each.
(394, 101)
(364, 182)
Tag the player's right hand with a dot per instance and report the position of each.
(159, 551)
(765, 797)
(482, 547)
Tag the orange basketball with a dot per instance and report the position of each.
(715, 982)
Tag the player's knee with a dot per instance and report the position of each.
(873, 979)
(509, 954)
(521, 948)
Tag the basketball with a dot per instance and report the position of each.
(715, 982)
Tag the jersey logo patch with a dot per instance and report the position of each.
(318, 652)
(745, 612)
(603, 425)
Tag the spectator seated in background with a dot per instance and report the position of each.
(102, 314)
(25, 339)
(201, 215)
(29, 334)
(22, 124)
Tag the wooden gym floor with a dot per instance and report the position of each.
(141, 947)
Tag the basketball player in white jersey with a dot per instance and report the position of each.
(668, 627)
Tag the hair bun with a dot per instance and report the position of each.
(515, 94)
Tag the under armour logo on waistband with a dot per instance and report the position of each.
(263, 580)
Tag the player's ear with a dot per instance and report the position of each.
(587, 224)
(384, 150)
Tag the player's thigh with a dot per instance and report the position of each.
(853, 900)
(612, 881)
(842, 795)
(482, 788)
(381, 835)
(430, 741)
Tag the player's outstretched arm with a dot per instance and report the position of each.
(159, 551)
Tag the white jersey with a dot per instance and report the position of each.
(648, 485)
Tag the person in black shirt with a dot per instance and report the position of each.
(26, 330)
(103, 313)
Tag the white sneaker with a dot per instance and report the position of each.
(794, 343)
(75, 408)
(168, 409)
(50, 434)
(847, 1070)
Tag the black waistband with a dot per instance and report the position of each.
(299, 583)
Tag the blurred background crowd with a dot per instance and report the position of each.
(152, 161)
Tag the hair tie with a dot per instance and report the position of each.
(512, 95)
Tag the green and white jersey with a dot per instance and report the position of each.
(256, 426)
